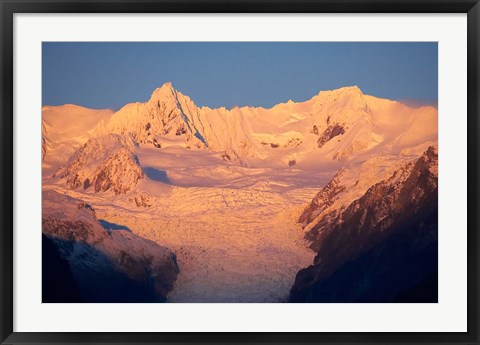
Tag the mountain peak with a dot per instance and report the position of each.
(348, 97)
(165, 90)
(167, 85)
(345, 90)
(352, 88)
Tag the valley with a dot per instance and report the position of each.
(241, 198)
(236, 240)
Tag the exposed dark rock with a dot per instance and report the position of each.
(325, 198)
(330, 133)
(401, 267)
(142, 200)
(181, 130)
(107, 163)
(58, 284)
(156, 143)
(294, 142)
(44, 148)
(108, 264)
(46, 145)
(381, 248)
(119, 173)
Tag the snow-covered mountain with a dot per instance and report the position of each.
(333, 125)
(108, 262)
(103, 163)
(381, 246)
(66, 128)
(338, 125)
(349, 184)
(245, 197)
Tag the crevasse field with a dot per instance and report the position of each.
(224, 189)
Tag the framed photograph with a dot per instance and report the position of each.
(239, 172)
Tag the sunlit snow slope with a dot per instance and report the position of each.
(224, 188)
(333, 125)
(64, 129)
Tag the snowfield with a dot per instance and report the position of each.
(224, 189)
(232, 245)
(236, 243)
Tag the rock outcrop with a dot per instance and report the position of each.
(105, 163)
(382, 247)
(330, 132)
(107, 265)
(332, 125)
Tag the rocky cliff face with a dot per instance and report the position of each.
(45, 143)
(382, 247)
(167, 113)
(58, 283)
(107, 265)
(105, 163)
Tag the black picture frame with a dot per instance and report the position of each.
(9, 7)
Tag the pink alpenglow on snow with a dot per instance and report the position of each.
(301, 202)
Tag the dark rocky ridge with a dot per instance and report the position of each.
(107, 265)
(382, 248)
(58, 284)
(330, 132)
(324, 199)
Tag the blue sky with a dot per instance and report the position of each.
(110, 75)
